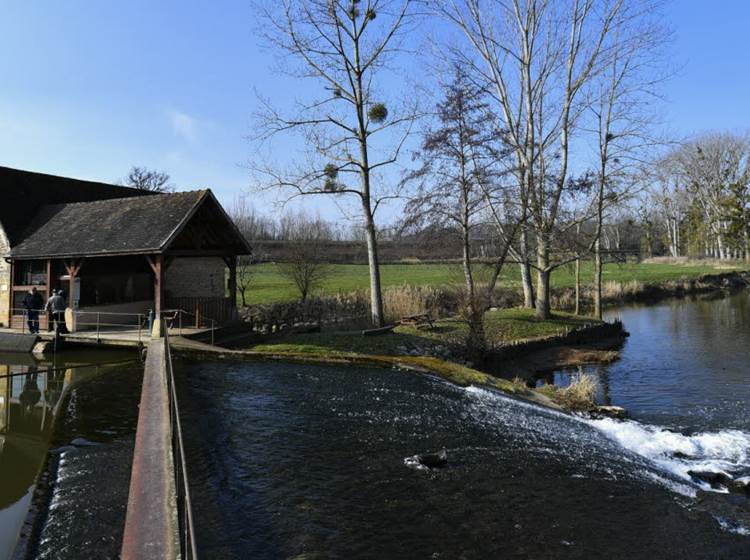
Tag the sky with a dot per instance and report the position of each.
(90, 88)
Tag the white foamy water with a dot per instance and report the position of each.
(726, 451)
(666, 456)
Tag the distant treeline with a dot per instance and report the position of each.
(355, 252)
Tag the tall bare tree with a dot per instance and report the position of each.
(623, 113)
(148, 180)
(537, 59)
(342, 48)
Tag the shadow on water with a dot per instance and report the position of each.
(44, 404)
(291, 461)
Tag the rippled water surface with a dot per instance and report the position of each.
(291, 461)
(685, 365)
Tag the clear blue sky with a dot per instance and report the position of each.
(90, 88)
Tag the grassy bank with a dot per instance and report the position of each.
(268, 285)
(502, 326)
(424, 350)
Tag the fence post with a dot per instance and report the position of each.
(98, 319)
(140, 320)
(212, 332)
(23, 322)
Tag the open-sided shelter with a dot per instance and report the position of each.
(114, 249)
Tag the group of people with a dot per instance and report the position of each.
(33, 305)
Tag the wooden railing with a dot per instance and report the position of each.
(204, 309)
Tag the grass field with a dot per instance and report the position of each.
(268, 285)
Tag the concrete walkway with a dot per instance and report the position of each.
(122, 338)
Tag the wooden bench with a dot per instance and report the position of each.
(419, 320)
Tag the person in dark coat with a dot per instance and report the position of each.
(56, 309)
(33, 303)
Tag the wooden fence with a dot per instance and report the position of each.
(202, 310)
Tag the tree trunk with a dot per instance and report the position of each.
(578, 287)
(376, 295)
(720, 244)
(468, 276)
(598, 280)
(526, 282)
(543, 276)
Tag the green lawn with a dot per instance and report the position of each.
(270, 286)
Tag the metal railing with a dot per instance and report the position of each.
(97, 321)
(23, 314)
(173, 318)
(188, 546)
(103, 320)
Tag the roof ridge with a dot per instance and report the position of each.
(65, 177)
(128, 198)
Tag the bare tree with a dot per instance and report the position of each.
(537, 58)
(148, 180)
(343, 48)
(252, 225)
(245, 275)
(459, 158)
(306, 267)
(623, 113)
(716, 172)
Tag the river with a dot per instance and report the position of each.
(79, 410)
(684, 377)
(291, 461)
(297, 461)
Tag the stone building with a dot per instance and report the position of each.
(114, 249)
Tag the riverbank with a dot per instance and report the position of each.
(616, 293)
(438, 350)
(520, 346)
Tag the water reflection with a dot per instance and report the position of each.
(32, 393)
(685, 364)
(565, 377)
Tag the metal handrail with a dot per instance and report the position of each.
(138, 323)
(188, 546)
(181, 312)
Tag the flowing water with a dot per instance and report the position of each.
(292, 461)
(684, 376)
(79, 407)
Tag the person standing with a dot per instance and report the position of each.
(33, 303)
(56, 309)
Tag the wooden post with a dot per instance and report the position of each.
(47, 324)
(73, 268)
(11, 296)
(232, 264)
(157, 265)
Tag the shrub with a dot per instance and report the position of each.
(579, 395)
(405, 300)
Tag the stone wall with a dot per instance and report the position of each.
(197, 277)
(5, 283)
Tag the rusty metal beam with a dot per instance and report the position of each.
(152, 525)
